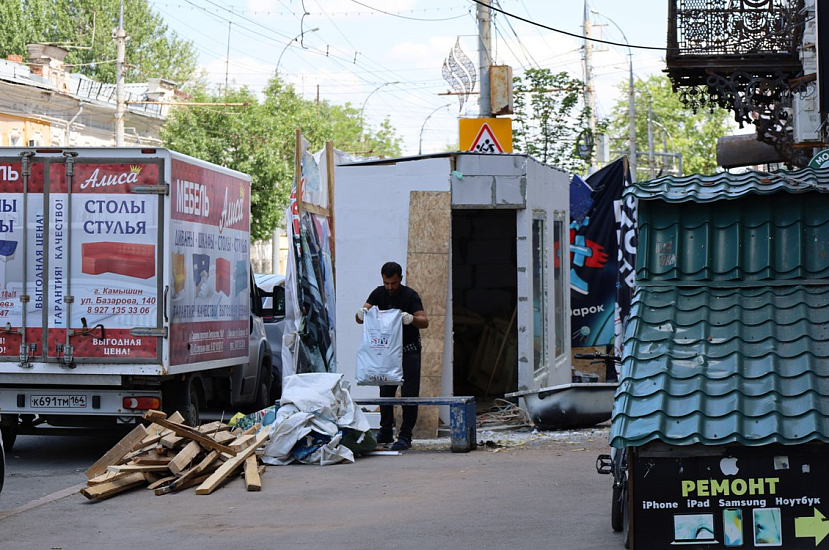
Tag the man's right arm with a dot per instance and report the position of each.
(361, 313)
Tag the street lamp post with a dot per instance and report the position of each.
(631, 105)
(371, 94)
(362, 125)
(420, 143)
(294, 39)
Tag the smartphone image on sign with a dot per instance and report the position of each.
(767, 530)
(733, 526)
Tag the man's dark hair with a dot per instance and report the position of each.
(390, 269)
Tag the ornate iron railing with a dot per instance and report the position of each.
(740, 55)
(734, 27)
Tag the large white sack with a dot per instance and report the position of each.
(380, 355)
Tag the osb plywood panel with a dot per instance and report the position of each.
(430, 365)
(427, 417)
(427, 271)
(429, 222)
(432, 337)
(428, 274)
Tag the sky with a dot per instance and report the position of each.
(385, 57)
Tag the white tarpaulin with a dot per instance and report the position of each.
(314, 410)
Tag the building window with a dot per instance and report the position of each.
(539, 267)
(558, 283)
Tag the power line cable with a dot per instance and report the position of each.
(405, 17)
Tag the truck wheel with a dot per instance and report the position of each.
(9, 434)
(182, 396)
(263, 391)
(192, 405)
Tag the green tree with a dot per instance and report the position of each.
(675, 128)
(549, 117)
(84, 27)
(259, 139)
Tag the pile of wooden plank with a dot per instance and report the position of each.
(169, 456)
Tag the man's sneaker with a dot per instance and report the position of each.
(384, 438)
(402, 444)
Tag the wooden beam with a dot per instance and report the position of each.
(185, 431)
(112, 488)
(163, 481)
(300, 208)
(173, 488)
(329, 172)
(104, 478)
(252, 480)
(224, 437)
(228, 467)
(156, 432)
(214, 427)
(116, 453)
(315, 209)
(184, 457)
(171, 441)
(137, 468)
(151, 458)
(208, 465)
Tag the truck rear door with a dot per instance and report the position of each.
(80, 257)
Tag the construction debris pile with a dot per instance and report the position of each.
(169, 456)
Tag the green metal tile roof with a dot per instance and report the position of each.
(759, 237)
(721, 365)
(725, 185)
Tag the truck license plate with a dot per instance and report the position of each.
(57, 401)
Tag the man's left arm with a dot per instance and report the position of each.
(420, 319)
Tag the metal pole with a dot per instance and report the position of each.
(631, 124)
(589, 97)
(227, 55)
(651, 166)
(420, 143)
(631, 106)
(120, 107)
(484, 57)
(294, 39)
(366, 101)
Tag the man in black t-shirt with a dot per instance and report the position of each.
(393, 295)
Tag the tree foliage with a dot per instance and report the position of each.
(85, 27)
(550, 117)
(259, 139)
(675, 128)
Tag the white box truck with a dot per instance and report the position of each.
(125, 285)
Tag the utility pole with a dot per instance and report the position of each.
(227, 55)
(631, 123)
(484, 16)
(120, 106)
(589, 97)
(651, 165)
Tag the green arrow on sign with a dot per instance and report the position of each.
(812, 526)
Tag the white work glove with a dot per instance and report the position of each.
(361, 314)
(407, 318)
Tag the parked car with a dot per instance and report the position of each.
(272, 289)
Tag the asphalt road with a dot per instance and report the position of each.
(534, 491)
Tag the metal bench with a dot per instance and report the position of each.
(462, 429)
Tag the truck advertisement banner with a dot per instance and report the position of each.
(747, 497)
(208, 253)
(11, 259)
(103, 254)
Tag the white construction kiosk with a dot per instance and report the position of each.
(484, 239)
